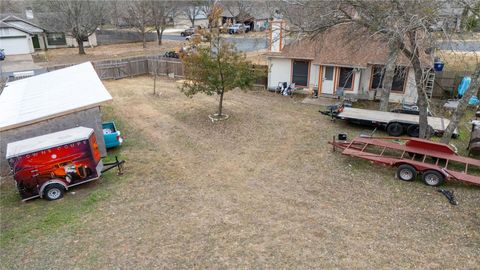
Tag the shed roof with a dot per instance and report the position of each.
(50, 95)
(343, 46)
(47, 141)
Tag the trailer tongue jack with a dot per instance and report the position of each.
(110, 165)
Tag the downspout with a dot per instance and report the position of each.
(44, 37)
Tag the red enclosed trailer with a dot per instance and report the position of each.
(436, 162)
(48, 165)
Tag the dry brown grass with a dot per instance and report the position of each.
(70, 55)
(260, 190)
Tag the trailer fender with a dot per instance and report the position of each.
(53, 181)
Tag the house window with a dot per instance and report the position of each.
(345, 79)
(398, 78)
(56, 39)
(377, 77)
(300, 72)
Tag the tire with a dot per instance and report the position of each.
(413, 131)
(182, 34)
(406, 172)
(395, 129)
(53, 192)
(433, 178)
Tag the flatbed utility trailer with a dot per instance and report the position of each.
(436, 162)
(396, 124)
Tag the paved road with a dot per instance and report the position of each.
(466, 46)
(246, 44)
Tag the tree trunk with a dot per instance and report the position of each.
(422, 98)
(81, 49)
(144, 40)
(462, 106)
(388, 77)
(159, 36)
(220, 104)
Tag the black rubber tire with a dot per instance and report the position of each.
(413, 131)
(53, 192)
(406, 172)
(395, 129)
(182, 34)
(433, 178)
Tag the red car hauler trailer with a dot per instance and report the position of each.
(436, 162)
(46, 166)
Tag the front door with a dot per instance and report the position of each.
(327, 80)
(36, 42)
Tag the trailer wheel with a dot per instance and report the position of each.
(413, 130)
(395, 129)
(433, 178)
(53, 192)
(406, 172)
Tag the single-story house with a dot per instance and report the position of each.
(20, 36)
(256, 17)
(15, 39)
(339, 59)
(51, 102)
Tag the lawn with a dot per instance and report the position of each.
(61, 56)
(260, 190)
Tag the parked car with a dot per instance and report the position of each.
(111, 135)
(193, 36)
(238, 28)
(188, 32)
(2, 54)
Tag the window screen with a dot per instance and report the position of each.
(399, 79)
(377, 77)
(345, 79)
(300, 72)
(56, 39)
(329, 73)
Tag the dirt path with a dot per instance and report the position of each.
(261, 190)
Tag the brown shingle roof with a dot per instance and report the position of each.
(343, 45)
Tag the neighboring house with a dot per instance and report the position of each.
(339, 59)
(20, 39)
(20, 36)
(257, 17)
(51, 102)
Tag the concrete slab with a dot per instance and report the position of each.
(20, 62)
(320, 101)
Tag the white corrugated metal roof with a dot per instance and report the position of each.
(47, 141)
(50, 95)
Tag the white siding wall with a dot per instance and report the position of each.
(279, 70)
(410, 94)
(356, 83)
(314, 69)
(92, 41)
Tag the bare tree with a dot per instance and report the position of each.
(77, 18)
(192, 9)
(462, 105)
(139, 16)
(162, 11)
(406, 25)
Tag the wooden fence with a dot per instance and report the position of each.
(134, 66)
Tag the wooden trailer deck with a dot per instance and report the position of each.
(377, 117)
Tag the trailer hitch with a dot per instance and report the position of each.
(111, 165)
